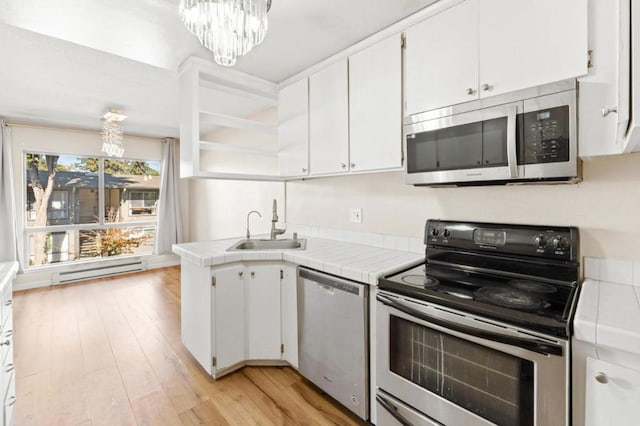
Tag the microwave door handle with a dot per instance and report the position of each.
(393, 410)
(512, 140)
(532, 345)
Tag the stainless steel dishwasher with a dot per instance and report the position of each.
(333, 337)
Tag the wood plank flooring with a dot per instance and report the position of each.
(108, 352)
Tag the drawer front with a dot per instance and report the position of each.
(10, 401)
(6, 303)
(7, 370)
(6, 340)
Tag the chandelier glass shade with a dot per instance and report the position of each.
(112, 135)
(229, 28)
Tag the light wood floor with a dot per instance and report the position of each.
(108, 352)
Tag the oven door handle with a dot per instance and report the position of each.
(533, 345)
(393, 410)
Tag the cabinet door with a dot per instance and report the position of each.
(293, 129)
(196, 314)
(442, 59)
(375, 106)
(607, 84)
(229, 316)
(527, 43)
(329, 120)
(263, 312)
(614, 402)
(289, 292)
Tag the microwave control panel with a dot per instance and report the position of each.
(545, 135)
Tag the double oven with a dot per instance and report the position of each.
(479, 333)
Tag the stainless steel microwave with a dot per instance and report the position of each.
(522, 137)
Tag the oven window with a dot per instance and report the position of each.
(493, 385)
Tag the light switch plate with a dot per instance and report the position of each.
(355, 215)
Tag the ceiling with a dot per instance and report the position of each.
(67, 62)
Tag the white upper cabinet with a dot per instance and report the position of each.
(604, 93)
(442, 59)
(263, 311)
(482, 48)
(329, 120)
(293, 129)
(375, 107)
(527, 43)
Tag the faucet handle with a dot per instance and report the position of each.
(295, 236)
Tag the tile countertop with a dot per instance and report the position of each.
(357, 262)
(608, 313)
(7, 272)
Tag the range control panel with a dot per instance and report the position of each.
(538, 241)
(546, 136)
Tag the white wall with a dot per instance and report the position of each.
(605, 206)
(25, 139)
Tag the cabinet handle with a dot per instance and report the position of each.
(486, 87)
(304, 170)
(606, 111)
(470, 91)
(240, 274)
(353, 165)
(8, 368)
(9, 333)
(253, 274)
(601, 377)
(6, 343)
(343, 165)
(8, 302)
(11, 400)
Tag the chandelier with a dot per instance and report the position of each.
(112, 136)
(229, 28)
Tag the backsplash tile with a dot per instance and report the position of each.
(592, 268)
(616, 271)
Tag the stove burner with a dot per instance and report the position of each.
(511, 298)
(420, 280)
(532, 286)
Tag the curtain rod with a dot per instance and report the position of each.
(71, 129)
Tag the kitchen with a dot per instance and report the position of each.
(364, 210)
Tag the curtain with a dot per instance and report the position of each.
(169, 215)
(8, 241)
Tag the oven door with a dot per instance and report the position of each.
(473, 146)
(462, 370)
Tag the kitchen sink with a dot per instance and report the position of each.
(285, 244)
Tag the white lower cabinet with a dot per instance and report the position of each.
(263, 311)
(235, 314)
(612, 394)
(289, 306)
(228, 301)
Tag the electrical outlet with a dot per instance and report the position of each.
(355, 215)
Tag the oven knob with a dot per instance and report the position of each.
(434, 232)
(559, 243)
(446, 233)
(539, 241)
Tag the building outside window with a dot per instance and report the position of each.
(84, 208)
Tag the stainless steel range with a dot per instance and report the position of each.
(479, 333)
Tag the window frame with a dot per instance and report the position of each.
(102, 224)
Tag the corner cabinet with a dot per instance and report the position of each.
(7, 375)
(234, 315)
(480, 48)
(293, 129)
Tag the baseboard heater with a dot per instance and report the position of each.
(130, 265)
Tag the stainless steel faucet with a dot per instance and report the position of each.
(275, 231)
(249, 214)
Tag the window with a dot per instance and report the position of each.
(95, 207)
